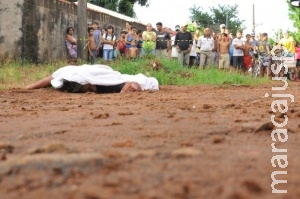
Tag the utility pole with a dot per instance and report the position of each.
(227, 19)
(81, 29)
(253, 19)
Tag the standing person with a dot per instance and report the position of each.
(92, 47)
(222, 28)
(139, 42)
(163, 41)
(174, 53)
(298, 60)
(289, 43)
(97, 36)
(215, 59)
(108, 41)
(121, 45)
(193, 53)
(196, 38)
(206, 45)
(133, 50)
(71, 44)
(253, 42)
(130, 36)
(149, 40)
(223, 52)
(183, 43)
(263, 49)
(127, 26)
(238, 51)
(247, 55)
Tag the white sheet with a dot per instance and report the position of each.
(100, 75)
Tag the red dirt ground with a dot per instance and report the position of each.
(198, 142)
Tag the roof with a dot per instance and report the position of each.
(111, 13)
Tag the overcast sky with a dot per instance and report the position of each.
(268, 14)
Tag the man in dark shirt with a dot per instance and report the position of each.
(163, 41)
(183, 43)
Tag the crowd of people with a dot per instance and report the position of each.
(203, 49)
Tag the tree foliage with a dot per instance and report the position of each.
(122, 6)
(294, 15)
(217, 16)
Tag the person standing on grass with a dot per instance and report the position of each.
(215, 59)
(121, 45)
(238, 51)
(108, 41)
(289, 43)
(206, 45)
(71, 44)
(139, 42)
(263, 49)
(183, 43)
(174, 53)
(130, 36)
(92, 47)
(97, 36)
(149, 41)
(163, 41)
(223, 52)
(247, 55)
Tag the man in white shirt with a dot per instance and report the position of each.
(238, 51)
(206, 45)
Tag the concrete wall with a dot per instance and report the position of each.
(34, 30)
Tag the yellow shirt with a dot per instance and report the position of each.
(288, 43)
(148, 43)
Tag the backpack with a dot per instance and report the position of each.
(112, 37)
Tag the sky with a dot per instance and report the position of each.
(269, 16)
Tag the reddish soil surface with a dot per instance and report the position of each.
(200, 142)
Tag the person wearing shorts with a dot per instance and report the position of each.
(223, 52)
(263, 48)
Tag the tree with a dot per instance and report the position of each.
(122, 6)
(217, 17)
(294, 15)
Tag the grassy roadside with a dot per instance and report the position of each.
(13, 75)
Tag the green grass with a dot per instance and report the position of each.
(17, 74)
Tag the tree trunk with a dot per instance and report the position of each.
(81, 29)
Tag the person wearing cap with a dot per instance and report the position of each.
(253, 43)
(163, 41)
(174, 53)
(183, 44)
(222, 28)
(206, 45)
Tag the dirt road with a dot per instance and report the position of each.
(200, 142)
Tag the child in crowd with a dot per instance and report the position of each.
(139, 42)
(133, 50)
(108, 41)
(92, 46)
(121, 45)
